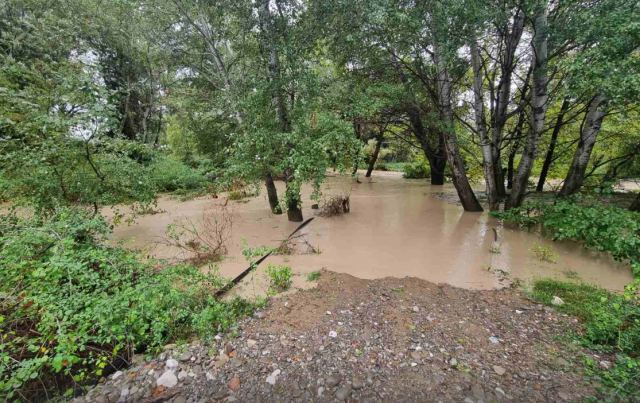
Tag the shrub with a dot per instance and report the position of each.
(417, 169)
(603, 228)
(279, 277)
(71, 307)
(170, 175)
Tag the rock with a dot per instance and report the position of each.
(332, 381)
(116, 375)
(557, 301)
(167, 379)
(209, 376)
(494, 340)
(320, 391)
(124, 393)
(186, 356)
(453, 362)
(333, 334)
(499, 370)
(171, 363)
(182, 375)
(234, 383)
(415, 309)
(343, 393)
(259, 315)
(564, 396)
(251, 343)
(416, 356)
(605, 364)
(357, 383)
(180, 399)
(273, 377)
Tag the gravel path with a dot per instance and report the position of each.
(371, 340)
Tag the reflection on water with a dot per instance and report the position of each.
(396, 228)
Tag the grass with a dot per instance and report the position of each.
(611, 324)
(313, 276)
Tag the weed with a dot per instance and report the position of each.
(544, 253)
(313, 276)
(279, 277)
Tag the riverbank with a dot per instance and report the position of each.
(393, 339)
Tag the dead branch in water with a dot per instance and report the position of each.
(204, 241)
(335, 205)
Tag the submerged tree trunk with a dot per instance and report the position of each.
(539, 99)
(272, 194)
(481, 127)
(588, 134)
(548, 158)
(460, 180)
(376, 152)
(279, 98)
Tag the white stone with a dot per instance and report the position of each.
(333, 334)
(557, 301)
(494, 340)
(273, 377)
(171, 363)
(116, 375)
(167, 379)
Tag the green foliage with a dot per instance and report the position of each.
(611, 324)
(417, 169)
(313, 276)
(170, 175)
(71, 305)
(603, 228)
(279, 277)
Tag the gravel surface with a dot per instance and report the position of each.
(371, 340)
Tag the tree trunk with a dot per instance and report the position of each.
(278, 96)
(460, 180)
(511, 40)
(635, 205)
(436, 157)
(481, 127)
(539, 98)
(548, 158)
(294, 213)
(374, 156)
(272, 194)
(588, 134)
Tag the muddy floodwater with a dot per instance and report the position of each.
(396, 227)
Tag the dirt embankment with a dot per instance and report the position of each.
(371, 340)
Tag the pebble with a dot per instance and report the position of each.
(167, 379)
(332, 381)
(415, 309)
(557, 301)
(251, 343)
(273, 377)
(186, 356)
(343, 393)
(494, 340)
(499, 370)
(333, 334)
(357, 383)
(453, 362)
(171, 363)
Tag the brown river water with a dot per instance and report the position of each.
(396, 227)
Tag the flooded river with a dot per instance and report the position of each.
(396, 227)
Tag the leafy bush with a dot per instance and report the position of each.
(70, 306)
(417, 169)
(171, 175)
(603, 228)
(611, 324)
(279, 277)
